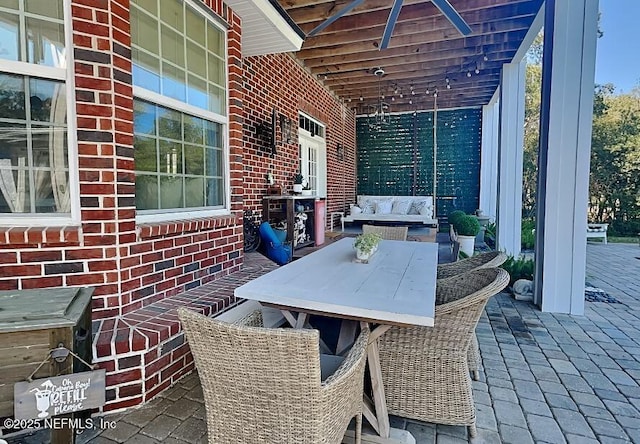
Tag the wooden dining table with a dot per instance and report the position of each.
(395, 288)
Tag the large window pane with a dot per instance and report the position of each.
(194, 192)
(214, 162)
(196, 59)
(170, 157)
(171, 191)
(146, 157)
(215, 195)
(34, 153)
(173, 82)
(48, 8)
(48, 101)
(194, 159)
(9, 36)
(45, 43)
(13, 144)
(146, 70)
(196, 25)
(12, 103)
(197, 92)
(15, 193)
(144, 31)
(193, 130)
(217, 100)
(169, 123)
(179, 156)
(171, 14)
(147, 192)
(172, 46)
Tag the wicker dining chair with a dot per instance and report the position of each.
(483, 260)
(424, 369)
(389, 233)
(263, 385)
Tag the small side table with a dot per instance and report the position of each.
(340, 215)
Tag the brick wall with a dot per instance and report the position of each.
(279, 81)
(132, 266)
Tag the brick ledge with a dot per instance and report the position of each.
(158, 229)
(70, 234)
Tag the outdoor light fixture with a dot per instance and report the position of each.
(379, 114)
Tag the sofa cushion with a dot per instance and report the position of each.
(401, 206)
(384, 206)
(368, 206)
(418, 204)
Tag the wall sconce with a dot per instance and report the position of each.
(340, 151)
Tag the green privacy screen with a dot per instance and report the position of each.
(397, 159)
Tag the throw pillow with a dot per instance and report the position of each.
(427, 210)
(356, 209)
(417, 205)
(401, 206)
(383, 206)
(368, 207)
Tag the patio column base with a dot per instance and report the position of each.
(396, 436)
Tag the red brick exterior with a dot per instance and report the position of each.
(279, 81)
(132, 266)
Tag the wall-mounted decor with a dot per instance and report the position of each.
(340, 151)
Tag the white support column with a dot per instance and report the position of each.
(510, 155)
(568, 71)
(489, 157)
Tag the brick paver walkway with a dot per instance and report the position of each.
(547, 378)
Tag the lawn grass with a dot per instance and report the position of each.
(623, 240)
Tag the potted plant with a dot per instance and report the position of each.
(297, 183)
(306, 190)
(467, 228)
(366, 245)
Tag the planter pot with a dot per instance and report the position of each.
(297, 188)
(466, 244)
(362, 256)
(306, 192)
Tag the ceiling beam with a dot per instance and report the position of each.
(418, 32)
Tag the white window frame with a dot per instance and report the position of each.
(66, 75)
(168, 214)
(321, 162)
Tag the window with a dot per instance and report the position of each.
(180, 123)
(34, 151)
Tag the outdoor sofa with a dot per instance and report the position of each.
(393, 209)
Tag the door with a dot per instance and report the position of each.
(313, 162)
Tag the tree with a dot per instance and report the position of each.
(614, 185)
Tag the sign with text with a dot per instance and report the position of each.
(59, 395)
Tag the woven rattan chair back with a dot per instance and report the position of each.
(389, 233)
(490, 259)
(424, 369)
(263, 385)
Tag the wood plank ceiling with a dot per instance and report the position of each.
(425, 52)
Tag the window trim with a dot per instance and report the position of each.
(321, 163)
(168, 215)
(67, 75)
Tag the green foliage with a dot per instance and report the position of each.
(454, 215)
(490, 234)
(528, 236)
(298, 178)
(467, 225)
(367, 242)
(521, 268)
(614, 183)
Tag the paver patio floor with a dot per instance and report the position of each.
(547, 378)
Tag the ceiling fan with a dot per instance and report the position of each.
(443, 5)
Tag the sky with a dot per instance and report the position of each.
(618, 56)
